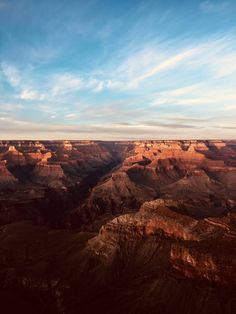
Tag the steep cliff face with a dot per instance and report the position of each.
(48, 160)
(201, 250)
(48, 171)
(192, 171)
(14, 157)
(50, 174)
(59, 173)
(157, 218)
(7, 180)
(215, 266)
(118, 194)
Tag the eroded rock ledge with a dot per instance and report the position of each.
(198, 248)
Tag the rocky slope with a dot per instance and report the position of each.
(7, 180)
(202, 248)
(37, 176)
(199, 173)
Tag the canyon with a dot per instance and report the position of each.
(118, 226)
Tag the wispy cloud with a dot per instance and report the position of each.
(65, 83)
(72, 116)
(28, 94)
(167, 64)
(11, 74)
(197, 95)
(146, 129)
(214, 6)
(215, 57)
(171, 125)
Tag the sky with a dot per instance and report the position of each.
(117, 70)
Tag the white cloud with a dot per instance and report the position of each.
(194, 95)
(27, 94)
(215, 58)
(137, 62)
(65, 83)
(72, 115)
(113, 84)
(165, 65)
(136, 68)
(225, 66)
(95, 84)
(182, 91)
(11, 73)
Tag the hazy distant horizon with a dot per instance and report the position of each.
(115, 140)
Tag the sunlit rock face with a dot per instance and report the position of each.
(67, 145)
(161, 242)
(34, 157)
(14, 157)
(198, 172)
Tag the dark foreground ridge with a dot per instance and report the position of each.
(118, 227)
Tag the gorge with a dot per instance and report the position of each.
(118, 227)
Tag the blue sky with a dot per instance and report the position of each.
(110, 69)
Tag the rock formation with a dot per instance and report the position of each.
(179, 171)
(14, 157)
(7, 180)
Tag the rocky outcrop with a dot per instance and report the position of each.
(7, 180)
(67, 145)
(200, 249)
(197, 263)
(14, 157)
(197, 146)
(195, 171)
(48, 171)
(33, 158)
(118, 194)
